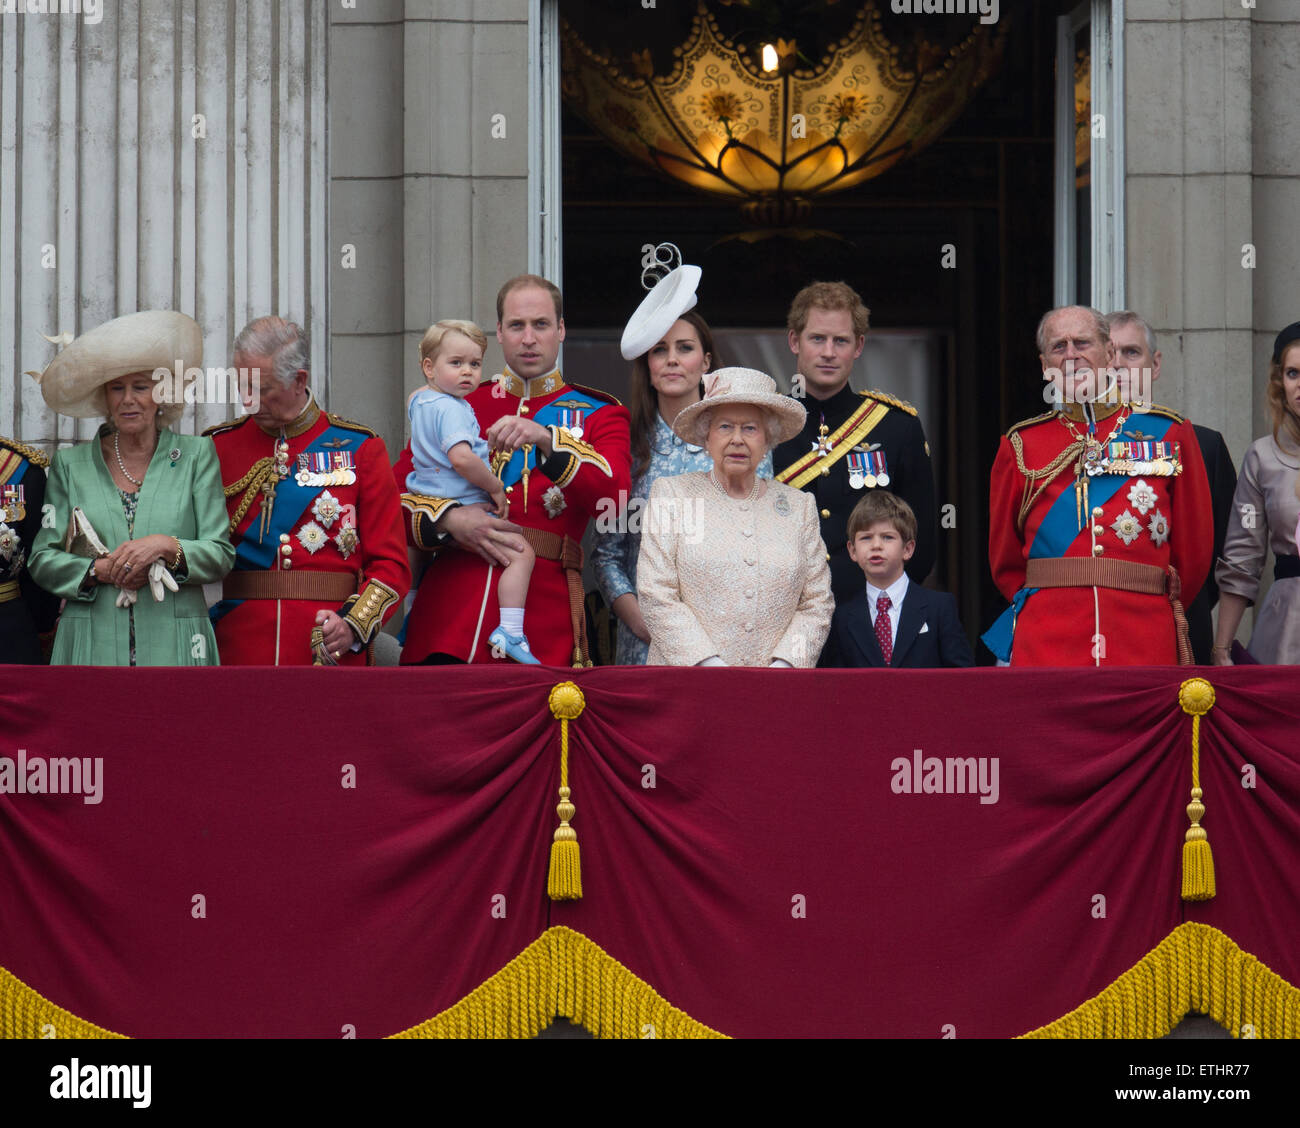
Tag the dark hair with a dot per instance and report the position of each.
(881, 505)
(1283, 417)
(643, 403)
(519, 282)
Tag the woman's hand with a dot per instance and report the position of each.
(128, 564)
(628, 611)
(1222, 656)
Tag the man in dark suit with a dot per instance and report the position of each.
(1137, 356)
(852, 442)
(892, 621)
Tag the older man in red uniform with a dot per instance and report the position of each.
(1100, 523)
(320, 561)
(561, 450)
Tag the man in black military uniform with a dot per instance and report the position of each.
(1138, 360)
(27, 612)
(852, 441)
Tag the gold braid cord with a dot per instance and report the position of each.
(1195, 968)
(251, 483)
(1196, 696)
(564, 877)
(563, 973)
(1042, 477)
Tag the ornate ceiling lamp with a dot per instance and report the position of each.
(752, 123)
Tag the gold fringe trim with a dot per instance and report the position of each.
(1194, 968)
(562, 973)
(26, 1013)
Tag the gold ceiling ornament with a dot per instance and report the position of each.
(776, 139)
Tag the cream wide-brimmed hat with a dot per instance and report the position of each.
(671, 297)
(136, 342)
(740, 385)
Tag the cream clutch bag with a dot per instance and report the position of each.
(82, 540)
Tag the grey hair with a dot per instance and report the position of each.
(1122, 317)
(282, 341)
(704, 421)
(1098, 319)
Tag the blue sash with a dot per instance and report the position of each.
(291, 502)
(546, 416)
(1060, 527)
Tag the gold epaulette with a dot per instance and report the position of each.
(349, 425)
(1030, 422)
(34, 456)
(1167, 412)
(598, 394)
(893, 401)
(228, 425)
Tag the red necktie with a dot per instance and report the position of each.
(883, 634)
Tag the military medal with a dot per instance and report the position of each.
(326, 468)
(13, 507)
(822, 445)
(571, 416)
(857, 463)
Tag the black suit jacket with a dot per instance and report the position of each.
(1223, 484)
(852, 640)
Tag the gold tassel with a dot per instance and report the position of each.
(564, 878)
(1196, 696)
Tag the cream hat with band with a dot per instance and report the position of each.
(671, 297)
(740, 385)
(73, 381)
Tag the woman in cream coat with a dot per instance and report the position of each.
(152, 497)
(732, 570)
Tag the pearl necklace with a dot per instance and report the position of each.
(722, 490)
(117, 450)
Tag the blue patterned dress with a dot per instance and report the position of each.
(615, 553)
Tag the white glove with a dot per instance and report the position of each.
(160, 578)
(125, 598)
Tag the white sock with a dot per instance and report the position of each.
(512, 621)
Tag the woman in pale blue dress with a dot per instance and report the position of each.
(664, 381)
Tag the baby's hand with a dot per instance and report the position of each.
(501, 502)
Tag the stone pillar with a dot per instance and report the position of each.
(434, 198)
(115, 196)
(1190, 209)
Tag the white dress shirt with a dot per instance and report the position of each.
(897, 592)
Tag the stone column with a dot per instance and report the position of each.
(169, 156)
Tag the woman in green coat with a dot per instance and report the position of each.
(153, 498)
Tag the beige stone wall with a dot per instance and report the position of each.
(435, 205)
(1213, 164)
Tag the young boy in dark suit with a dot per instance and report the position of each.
(892, 621)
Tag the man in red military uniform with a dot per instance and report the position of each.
(320, 561)
(562, 451)
(1100, 523)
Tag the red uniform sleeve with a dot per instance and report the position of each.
(1191, 525)
(379, 528)
(1006, 542)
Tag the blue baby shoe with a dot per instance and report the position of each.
(512, 646)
